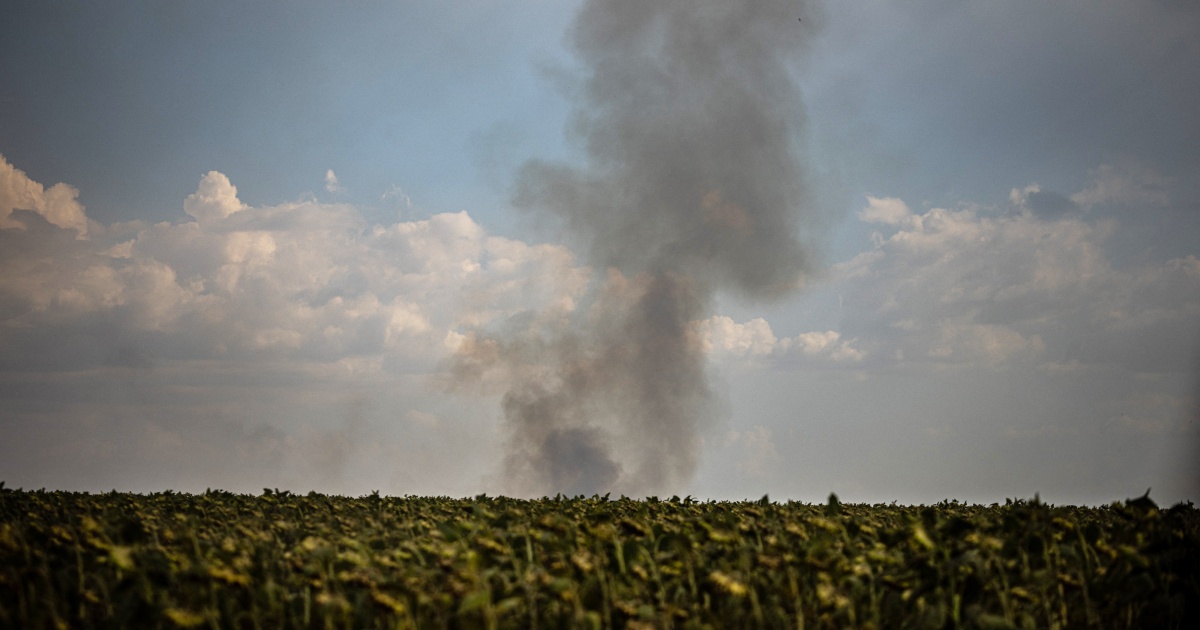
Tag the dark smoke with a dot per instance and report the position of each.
(688, 115)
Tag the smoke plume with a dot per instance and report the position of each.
(688, 117)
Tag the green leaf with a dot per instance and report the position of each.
(474, 600)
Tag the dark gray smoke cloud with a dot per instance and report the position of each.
(688, 116)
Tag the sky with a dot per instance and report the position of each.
(319, 246)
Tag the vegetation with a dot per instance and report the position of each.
(283, 560)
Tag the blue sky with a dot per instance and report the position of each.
(394, 94)
(275, 224)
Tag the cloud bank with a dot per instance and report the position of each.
(1022, 285)
(979, 350)
(297, 345)
(300, 281)
(235, 317)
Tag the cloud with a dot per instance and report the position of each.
(720, 334)
(331, 182)
(233, 350)
(255, 345)
(300, 281)
(722, 338)
(975, 285)
(215, 199)
(888, 211)
(982, 343)
(828, 344)
(1043, 203)
(1126, 183)
(1007, 349)
(396, 196)
(59, 204)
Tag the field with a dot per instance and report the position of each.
(281, 560)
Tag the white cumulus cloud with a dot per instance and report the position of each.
(215, 199)
(261, 345)
(887, 210)
(302, 280)
(59, 205)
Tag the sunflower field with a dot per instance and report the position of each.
(281, 560)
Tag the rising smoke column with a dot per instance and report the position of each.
(688, 116)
